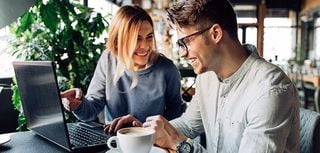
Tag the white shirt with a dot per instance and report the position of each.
(256, 110)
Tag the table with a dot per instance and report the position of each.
(314, 79)
(29, 142)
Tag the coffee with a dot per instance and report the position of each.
(136, 132)
(130, 133)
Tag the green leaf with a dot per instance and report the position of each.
(38, 2)
(49, 16)
(37, 32)
(101, 27)
(25, 22)
(63, 11)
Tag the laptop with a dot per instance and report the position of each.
(44, 112)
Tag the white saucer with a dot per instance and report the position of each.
(154, 149)
(4, 139)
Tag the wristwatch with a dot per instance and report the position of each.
(185, 146)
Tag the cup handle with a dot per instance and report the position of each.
(110, 140)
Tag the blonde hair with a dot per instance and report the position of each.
(122, 41)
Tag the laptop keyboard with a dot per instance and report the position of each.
(80, 136)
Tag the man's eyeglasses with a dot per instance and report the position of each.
(182, 41)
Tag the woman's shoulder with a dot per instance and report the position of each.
(107, 54)
(107, 62)
(163, 60)
(108, 57)
(165, 65)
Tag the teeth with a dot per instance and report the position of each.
(141, 53)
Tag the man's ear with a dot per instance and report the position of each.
(216, 33)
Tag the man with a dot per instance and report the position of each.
(242, 103)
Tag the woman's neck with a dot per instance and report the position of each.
(141, 67)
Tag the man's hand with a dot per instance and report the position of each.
(71, 99)
(166, 135)
(120, 122)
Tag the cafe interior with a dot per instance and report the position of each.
(285, 32)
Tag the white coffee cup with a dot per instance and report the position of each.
(133, 140)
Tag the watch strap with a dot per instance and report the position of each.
(190, 141)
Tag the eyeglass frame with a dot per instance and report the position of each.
(182, 45)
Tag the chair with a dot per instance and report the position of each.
(187, 72)
(309, 95)
(317, 99)
(309, 131)
(8, 115)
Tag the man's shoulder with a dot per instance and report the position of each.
(269, 77)
(267, 71)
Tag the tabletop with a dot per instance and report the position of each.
(29, 142)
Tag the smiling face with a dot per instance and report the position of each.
(202, 50)
(144, 47)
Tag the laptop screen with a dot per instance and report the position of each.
(41, 100)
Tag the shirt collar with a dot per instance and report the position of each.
(244, 68)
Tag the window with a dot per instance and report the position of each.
(103, 7)
(6, 59)
(279, 31)
(279, 38)
(247, 21)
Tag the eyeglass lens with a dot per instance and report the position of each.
(181, 44)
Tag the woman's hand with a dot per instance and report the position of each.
(120, 122)
(71, 99)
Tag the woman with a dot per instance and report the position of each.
(131, 81)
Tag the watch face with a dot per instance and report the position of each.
(184, 147)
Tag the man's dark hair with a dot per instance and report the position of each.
(204, 13)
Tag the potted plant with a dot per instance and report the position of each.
(66, 33)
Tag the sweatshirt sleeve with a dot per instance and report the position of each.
(173, 98)
(95, 99)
